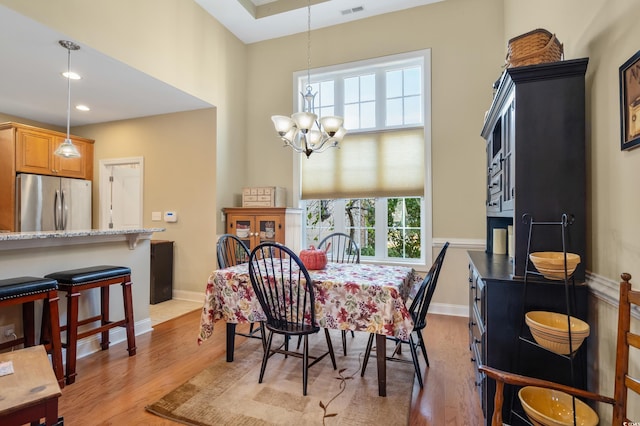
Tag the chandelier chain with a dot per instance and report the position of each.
(309, 43)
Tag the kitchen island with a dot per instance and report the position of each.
(40, 253)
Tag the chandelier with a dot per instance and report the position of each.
(302, 131)
(67, 149)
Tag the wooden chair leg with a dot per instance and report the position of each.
(367, 354)
(128, 312)
(51, 334)
(72, 335)
(28, 324)
(305, 364)
(104, 313)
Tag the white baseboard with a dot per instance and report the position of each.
(449, 309)
(190, 296)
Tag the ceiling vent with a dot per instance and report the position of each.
(353, 10)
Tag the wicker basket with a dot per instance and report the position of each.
(535, 47)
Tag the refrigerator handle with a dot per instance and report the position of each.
(65, 212)
(57, 210)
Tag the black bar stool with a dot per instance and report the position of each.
(24, 291)
(73, 282)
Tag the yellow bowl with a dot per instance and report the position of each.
(555, 274)
(554, 408)
(552, 263)
(550, 330)
(556, 323)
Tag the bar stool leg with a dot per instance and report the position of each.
(28, 324)
(104, 308)
(128, 314)
(50, 334)
(72, 335)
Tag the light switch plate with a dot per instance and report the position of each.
(156, 216)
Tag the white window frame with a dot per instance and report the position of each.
(427, 202)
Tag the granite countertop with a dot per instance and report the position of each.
(12, 236)
(10, 240)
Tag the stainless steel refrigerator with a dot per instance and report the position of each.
(50, 203)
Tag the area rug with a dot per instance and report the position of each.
(229, 393)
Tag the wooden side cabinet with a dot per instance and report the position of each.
(496, 302)
(255, 225)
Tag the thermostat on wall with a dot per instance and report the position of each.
(170, 216)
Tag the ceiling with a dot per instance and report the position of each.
(32, 60)
(258, 20)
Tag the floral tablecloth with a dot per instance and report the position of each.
(348, 296)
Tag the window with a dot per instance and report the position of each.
(375, 186)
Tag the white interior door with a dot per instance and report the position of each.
(121, 193)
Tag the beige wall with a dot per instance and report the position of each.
(179, 154)
(607, 32)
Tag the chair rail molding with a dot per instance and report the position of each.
(607, 290)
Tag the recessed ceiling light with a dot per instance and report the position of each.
(71, 75)
(83, 108)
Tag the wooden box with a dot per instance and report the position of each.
(264, 196)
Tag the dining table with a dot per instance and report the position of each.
(348, 296)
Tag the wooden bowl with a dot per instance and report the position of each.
(554, 408)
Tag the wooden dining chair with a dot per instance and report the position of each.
(285, 293)
(231, 251)
(418, 310)
(623, 380)
(341, 248)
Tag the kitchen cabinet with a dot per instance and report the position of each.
(34, 150)
(30, 149)
(255, 225)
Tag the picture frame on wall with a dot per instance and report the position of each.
(630, 102)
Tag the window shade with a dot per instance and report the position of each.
(381, 164)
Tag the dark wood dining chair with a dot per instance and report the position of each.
(285, 292)
(231, 251)
(418, 310)
(341, 248)
(623, 380)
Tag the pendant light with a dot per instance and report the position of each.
(302, 131)
(67, 149)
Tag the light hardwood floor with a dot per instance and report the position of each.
(112, 388)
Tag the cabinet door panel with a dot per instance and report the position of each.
(71, 167)
(269, 229)
(242, 227)
(33, 152)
